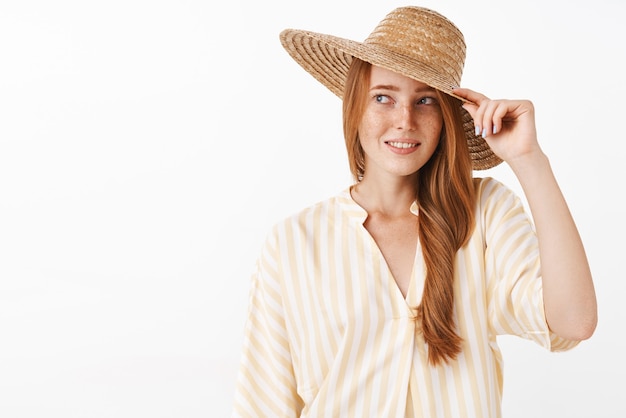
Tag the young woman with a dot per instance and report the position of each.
(386, 300)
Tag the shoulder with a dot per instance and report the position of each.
(491, 192)
(487, 186)
(307, 226)
(498, 207)
(325, 211)
(330, 206)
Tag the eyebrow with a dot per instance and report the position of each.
(391, 87)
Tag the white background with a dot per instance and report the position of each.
(146, 148)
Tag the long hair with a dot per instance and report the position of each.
(446, 199)
(354, 102)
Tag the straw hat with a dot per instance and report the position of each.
(416, 42)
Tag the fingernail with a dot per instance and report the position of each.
(485, 133)
(477, 130)
(495, 129)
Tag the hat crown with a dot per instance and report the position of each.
(424, 37)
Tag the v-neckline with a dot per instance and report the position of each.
(413, 298)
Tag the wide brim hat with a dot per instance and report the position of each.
(416, 42)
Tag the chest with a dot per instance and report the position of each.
(397, 241)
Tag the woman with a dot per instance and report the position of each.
(386, 300)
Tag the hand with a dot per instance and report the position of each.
(508, 126)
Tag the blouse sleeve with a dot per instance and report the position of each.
(513, 269)
(266, 386)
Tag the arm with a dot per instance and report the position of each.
(569, 296)
(266, 384)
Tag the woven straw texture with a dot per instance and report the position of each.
(416, 42)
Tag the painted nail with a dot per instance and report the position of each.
(477, 130)
(484, 132)
(495, 129)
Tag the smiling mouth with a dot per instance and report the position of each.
(402, 144)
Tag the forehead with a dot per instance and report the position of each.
(386, 78)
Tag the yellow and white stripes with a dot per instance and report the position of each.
(329, 333)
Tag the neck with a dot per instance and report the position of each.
(386, 196)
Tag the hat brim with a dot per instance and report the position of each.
(327, 58)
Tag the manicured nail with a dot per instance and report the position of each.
(495, 129)
(485, 133)
(477, 130)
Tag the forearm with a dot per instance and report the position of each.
(568, 291)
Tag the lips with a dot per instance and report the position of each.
(402, 145)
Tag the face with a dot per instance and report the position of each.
(401, 126)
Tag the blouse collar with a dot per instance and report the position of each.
(354, 210)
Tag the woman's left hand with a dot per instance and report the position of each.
(568, 294)
(508, 126)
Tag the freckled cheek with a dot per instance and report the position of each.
(370, 124)
(433, 124)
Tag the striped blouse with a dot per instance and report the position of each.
(329, 334)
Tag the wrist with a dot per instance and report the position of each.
(529, 163)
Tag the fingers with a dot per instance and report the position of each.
(468, 95)
(482, 111)
(489, 115)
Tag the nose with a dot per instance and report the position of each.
(406, 117)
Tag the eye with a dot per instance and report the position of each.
(381, 98)
(427, 101)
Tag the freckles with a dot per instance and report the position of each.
(370, 122)
(435, 123)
